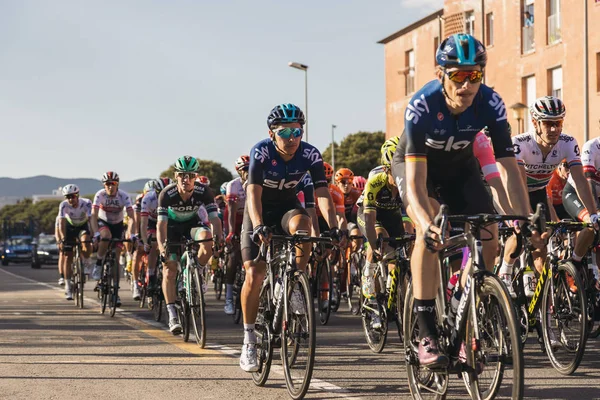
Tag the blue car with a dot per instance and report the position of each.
(17, 249)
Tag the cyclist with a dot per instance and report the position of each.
(236, 200)
(107, 220)
(74, 214)
(134, 265)
(185, 209)
(344, 180)
(538, 154)
(554, 190)
(61, 278)
(434, 161)
(277, 165)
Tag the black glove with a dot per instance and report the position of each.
(260, 230)
(336, 234)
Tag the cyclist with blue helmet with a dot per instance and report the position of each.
(434, 163)
(277, 165)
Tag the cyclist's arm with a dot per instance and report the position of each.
(233, 207)
(131, 225)
(63, 228)
(582, 188)
(416, 188)
(588, 159)
(500, 195)
(370, 216)
(341, 220)
(254, 203)
(326, 206)
(553, 215)
(94, 220)
(161, 234)
(144, 228)
(513, 178)
(312, 213)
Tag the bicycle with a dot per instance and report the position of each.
(143, 280)
(238, 283)
(321, 280)
(356, 260)
(77, 274)
(108, 288)
(277, 324)
(219, 275)
(479, 335)
(389, 301)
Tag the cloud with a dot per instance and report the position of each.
(424, 4)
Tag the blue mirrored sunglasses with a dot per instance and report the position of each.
(285, 133)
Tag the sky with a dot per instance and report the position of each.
(92, 86)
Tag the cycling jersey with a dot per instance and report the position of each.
(338, 200)
(235, 192)
(305, 191)
(555, 188)
(149, 206)
(137, 205)
(110, 208)
(350, 200)
(75, 216)
(539, 168)
(279, 178)
(379, 194)
(591, 163)
(378, 169)
(173, 208)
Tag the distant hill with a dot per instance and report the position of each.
(43, 184)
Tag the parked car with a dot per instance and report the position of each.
(17, 249)
(45, 251)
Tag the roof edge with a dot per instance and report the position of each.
(412, 26)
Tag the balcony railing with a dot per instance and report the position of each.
(409, 80)
(554, 34)
(528, 39)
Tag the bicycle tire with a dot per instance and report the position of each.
(197, 309)
(158, 298)
(218, 283)
(185, 323)
(502, 320)
(298, 326)
(264, 345)
(399, 307)
(324, 312)
(577, 304)
(79, 283)
(237, 298)
(114, 294)
(106, 283)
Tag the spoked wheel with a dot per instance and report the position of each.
(237, 298)
(264, 345)
(114, 295)
(298, 338)
(423, 382)
(105, 289)
(564, 320)
(325, 291)
(218, 280)
(197, 308)
(78, 283)
(499, 345)
(185, 324)
(399, 309)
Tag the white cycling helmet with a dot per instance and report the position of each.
(70, 189)
(548, 108)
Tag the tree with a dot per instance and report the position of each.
(42, 213)
(216, 173)
(361, 152)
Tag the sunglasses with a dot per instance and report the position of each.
(345, 182)
(460, 76)
(72, 196)
(286, 133)
(110, 184)
(186, 175)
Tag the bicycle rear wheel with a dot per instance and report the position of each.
(353, 285)
(376, 338)
(114, 298)
(564, 320)
(218, 278)
(298, 338)
(499, 343)
(197, 308)
(264, 335)
(78, 282)
(106, 284)
(324, 291)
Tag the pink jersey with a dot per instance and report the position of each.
(484, 152)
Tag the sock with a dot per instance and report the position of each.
(62, 276)
(99, 261)
(576, 258)
(172, 311)
(249, 336)
(369, 268)
(506, 268)
(228, 292)
(426, 318)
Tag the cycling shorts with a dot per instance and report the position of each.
(390, 220)
(181, 231)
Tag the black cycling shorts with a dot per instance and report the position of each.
(539, 196)
(179, 232)
(72, 234)
(561, 213)
(116, 230)
(390, 220)
(276, 216)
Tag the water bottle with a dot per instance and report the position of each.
(450, 287)
(529, 282)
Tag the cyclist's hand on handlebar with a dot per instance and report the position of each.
(96, 237)
(433, 236)
(262, 234)
(229, 238)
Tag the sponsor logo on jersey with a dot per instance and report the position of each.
(440, 116)
(306, 180)
(522, 139)
(415, 110)
(576, 150)
(499, 106)
(172, 191)
(261, 154)
(566, 138)
(447, 145)
(184, 208)
(274, 163)
(112, 202)
(469, 128)
(282, 184)
(312, 154)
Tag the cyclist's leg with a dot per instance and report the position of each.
(295, 220)
(205, 248)
(233, 265)
(104, 229)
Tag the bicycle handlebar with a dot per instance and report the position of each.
(294, 239)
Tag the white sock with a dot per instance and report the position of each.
(249, 336)
(369, 268)
(172, 311)
(506, 268)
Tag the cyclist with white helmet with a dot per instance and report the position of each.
(73, 214)
(107, 219)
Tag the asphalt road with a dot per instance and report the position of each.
(49, 349)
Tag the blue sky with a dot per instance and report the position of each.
(91, 86)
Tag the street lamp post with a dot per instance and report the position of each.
(519, 114)
(332, 146)
(304, 68)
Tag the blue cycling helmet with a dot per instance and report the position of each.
(461, 49)
(285, 114)
(224, 188)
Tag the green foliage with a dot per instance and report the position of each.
(216, 173)
(42, 213)
(361, 152)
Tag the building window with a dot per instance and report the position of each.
(470, 23)
(489, 29)
(554, 34)
(598, 67)
(410, 72)
(555, 82)
(528, 37)
(436, 44)
(528, 98)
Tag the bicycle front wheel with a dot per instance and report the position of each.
(114, 295)
(218, 278)
(324, 290)
(197, 308)
(78, 282)
(298, 336)
(106, 283)
(264, 335)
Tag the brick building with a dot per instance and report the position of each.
(535, 48)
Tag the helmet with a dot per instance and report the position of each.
(163, 182)
(70, 189)
(242, 163)
(285, 114)
(224, 188)
(344, 173)
(387, 150)
(187, 164)
(461, 49)
(203, 180)
(548, 108)
(359, 183)
(328, 170)
(110, 176)
(150, 185)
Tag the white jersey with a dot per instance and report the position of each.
(539, 168)
(235, 192)
(110, 208)
(75, 216)
(150, 205)
(590, 158)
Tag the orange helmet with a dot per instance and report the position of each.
(344, 173)
(328, 170)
